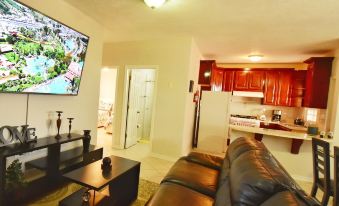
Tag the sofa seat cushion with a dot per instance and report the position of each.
(194, 176)
(284, 198)
(242, 145)
(207, 160)
(170, 194)
(255, 177)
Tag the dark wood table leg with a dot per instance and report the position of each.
(296, 144)
(124, 190)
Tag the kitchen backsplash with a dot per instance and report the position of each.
(253, 107)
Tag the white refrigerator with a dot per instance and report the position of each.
(214, 121)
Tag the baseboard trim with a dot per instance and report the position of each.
(302, 178)
(164, 157)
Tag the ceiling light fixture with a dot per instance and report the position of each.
(154, 3)
(255, 58)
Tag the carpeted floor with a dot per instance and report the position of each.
(146, 189)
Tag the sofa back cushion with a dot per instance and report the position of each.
(255, 176)
(242, 145)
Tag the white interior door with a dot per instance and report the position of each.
(134, 107)
(149, 97)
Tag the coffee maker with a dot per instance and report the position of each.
(276, 115)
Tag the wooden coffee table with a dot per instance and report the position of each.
(122, 181)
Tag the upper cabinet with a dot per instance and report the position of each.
(241, 80)
(217, 79)
(278, 88)
(317, 82)
(271, 87)
(281, 87)
(228, 80)
(284, 88)
(249, 81)
(298, 88)
(205, 72)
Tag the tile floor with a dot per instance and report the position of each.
(307, 186)
(152, 169)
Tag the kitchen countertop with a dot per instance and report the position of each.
(289, 126)
(274, 132)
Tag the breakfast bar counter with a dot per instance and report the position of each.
(297, 137)
(272, 132)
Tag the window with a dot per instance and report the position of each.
(311, 115)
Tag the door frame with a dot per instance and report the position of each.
(115, 99)
(128, 68)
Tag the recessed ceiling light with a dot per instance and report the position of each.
(154, 3)
(255, 58)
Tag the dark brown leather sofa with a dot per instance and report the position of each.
(248, 176)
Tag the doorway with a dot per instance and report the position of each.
(140, 104)
(106, 110)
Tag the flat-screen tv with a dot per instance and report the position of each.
(37, 53)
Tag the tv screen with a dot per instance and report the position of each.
(37, 53)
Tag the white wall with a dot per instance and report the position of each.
(172, 56)
(42, 107)
(193, 74)
(108, 84)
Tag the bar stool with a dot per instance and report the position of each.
(321, 170)
(336, 177)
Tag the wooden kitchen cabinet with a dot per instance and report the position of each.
(241, 81)
(281, 87)
(205, 72)
(298, 88)
(228, 80)
(317, 82)
(249, 81)
(217, 80)
(256, 80)
(278, 88)
(271, 84)
(283, 94)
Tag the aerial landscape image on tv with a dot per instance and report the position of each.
(38, 54)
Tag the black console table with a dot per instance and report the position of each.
(54, 164)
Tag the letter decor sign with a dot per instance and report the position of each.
(26, 135)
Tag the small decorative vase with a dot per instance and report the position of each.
(70, 127)
(86, 140)
(58, 122)
(106, 164)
